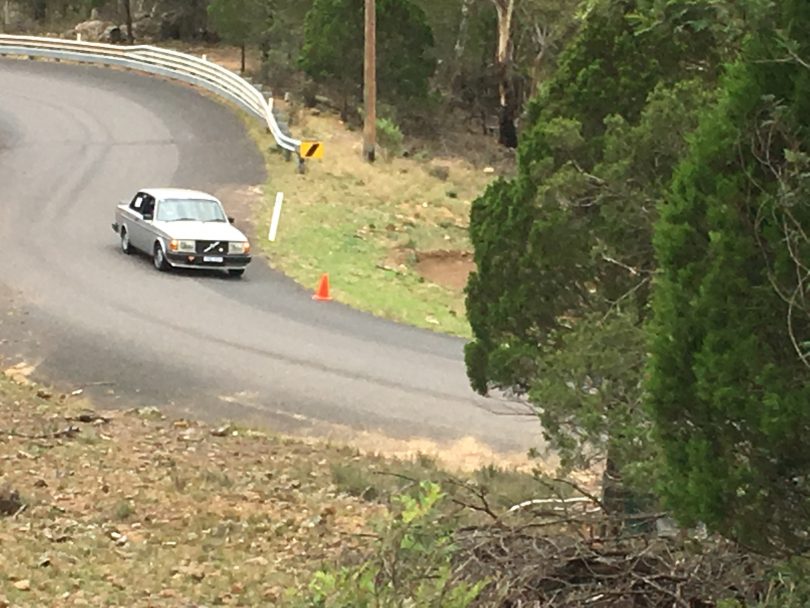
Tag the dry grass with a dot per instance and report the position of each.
(134, 509)
(371, 227)
(144, 511)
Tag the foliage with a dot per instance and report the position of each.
(563, 252)
(789, 586)
(727, 23)
(239, 21)
(461, 43)
(333, 48)
(729, 372)
(49, 10)
(411, 563)
(389, 136)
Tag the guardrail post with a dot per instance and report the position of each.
(302, 168)
(270, 110)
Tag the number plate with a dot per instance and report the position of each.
(212, 258)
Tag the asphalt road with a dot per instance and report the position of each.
(74, 140)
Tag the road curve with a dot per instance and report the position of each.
(74, 140)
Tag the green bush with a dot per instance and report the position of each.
(389, 137)
(563, 252)
(411, 563)
(728, 382)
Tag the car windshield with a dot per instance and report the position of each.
(200, 210)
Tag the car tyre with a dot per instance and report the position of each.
(126, 246)
(236, 272)
(159, 258)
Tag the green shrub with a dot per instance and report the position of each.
(411, 563)
(389, 136)
(728, 380)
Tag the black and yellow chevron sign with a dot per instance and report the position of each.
(311, 149)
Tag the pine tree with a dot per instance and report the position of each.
(728, 378)
(564, 252)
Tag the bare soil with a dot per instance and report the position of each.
(447, 268)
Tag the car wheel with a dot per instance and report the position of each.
(159, 258)
(236, 272)
(126, 246)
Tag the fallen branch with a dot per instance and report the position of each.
(68, 432)
(88, 418)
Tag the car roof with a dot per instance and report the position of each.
(166, 193)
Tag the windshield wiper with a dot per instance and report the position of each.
(184, 219)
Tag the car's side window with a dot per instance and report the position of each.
(148, 207)
(137, 203)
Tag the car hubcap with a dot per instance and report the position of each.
(159, 257)
(125, 241)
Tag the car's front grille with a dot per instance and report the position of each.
(212, 247)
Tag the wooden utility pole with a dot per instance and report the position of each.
(370, 83)
(128, 17)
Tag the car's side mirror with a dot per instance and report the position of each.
(231, 220)
(147, 216)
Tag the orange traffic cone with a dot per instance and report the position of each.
(323, 288)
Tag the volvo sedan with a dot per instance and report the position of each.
(181, 229)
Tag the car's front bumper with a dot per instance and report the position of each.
(196, 260)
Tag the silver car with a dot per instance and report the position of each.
(181, 229)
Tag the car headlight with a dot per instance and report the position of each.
(184, 246)
(239, 248)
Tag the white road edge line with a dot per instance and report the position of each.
(276, 216)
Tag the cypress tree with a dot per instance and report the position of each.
(728, 376)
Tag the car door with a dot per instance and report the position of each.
(140, 214)
(132, 219)
(146, 230)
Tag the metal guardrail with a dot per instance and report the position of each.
(163, 62)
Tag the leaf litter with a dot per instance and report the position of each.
(134, 509)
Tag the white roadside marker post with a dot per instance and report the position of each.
(276, 215)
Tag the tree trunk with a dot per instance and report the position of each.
(6, 14)
(613, 495)
(463, 26)
(242, 49)
(128, 18)
(194, 19)
(541, 36)
(507, 131)
(508, 110)
(40, 10)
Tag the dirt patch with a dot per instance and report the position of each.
(448, 268)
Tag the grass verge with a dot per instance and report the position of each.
(136, 509)
(393, 236)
